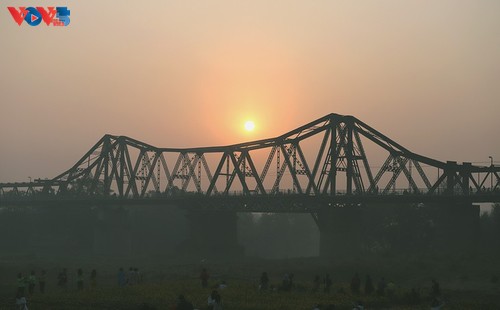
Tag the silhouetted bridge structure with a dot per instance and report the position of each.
(325, 159)
(328, 163)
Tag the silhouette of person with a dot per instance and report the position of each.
(381, 286)
(122, 279)
(355, 284)
(31, 282)
(41, 281)
(204, 277)
(369, 285)
(435, 290)
(93, 279)
(79, 279)
(21, 284)
(64, 278)
(286, 282)
(316, 283)
(328, 283)
(264, 281)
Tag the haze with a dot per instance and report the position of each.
(190, 73)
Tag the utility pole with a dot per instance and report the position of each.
(491, 172)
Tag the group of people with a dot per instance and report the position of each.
(26, 284)
(62, 279)
(355, 286)
(214, 301)
(327, 283)
(369, 288)
(30, 282)
(287, 283)
(132, 277)
(383, 287)
(26, 287)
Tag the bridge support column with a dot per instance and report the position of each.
(340, 232)
(212, 234)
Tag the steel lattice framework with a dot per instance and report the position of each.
(325, 158)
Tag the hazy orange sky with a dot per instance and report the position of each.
(189, 73)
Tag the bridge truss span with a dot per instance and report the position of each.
(332, 156)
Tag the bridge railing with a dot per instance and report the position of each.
(33, 194)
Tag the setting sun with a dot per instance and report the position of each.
(249, 125)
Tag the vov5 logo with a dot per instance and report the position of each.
(55, 16)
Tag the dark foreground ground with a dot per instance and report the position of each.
(466, 282)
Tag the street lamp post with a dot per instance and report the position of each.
(491, 172)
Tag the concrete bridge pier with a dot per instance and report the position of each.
(340, 232)
(212, 234)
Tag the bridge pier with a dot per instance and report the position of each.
(212, 234)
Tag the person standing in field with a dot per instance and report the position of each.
(218, 302)
(286, 283)
(264, 281)
(204, 277)
(131, 277)
(369, 288)
(93, 279)
(122, 279)
(79, 279)
(435, 291)
(138, 276)
(31, 283)
(327, 283)
(64, 279)
(41, 281)
(316, 284)
(355, 284)
(381, 286)
(21, 284)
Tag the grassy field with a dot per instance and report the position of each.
(466, 284)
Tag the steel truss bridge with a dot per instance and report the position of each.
(321, 164)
